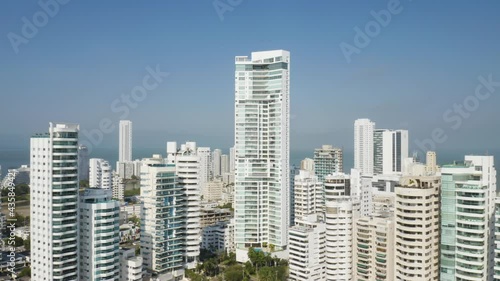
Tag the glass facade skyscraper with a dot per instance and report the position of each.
(467, 219)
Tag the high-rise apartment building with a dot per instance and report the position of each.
(187, 168)
(361, 191)
(99, 232)
(231, 160)
(390, 148)
(373, 247)
(308, 250)
(327, 160)
(340, 213)
(363, 145)
(417, 228)
(224, 164)
(213, 191)
(125, 141)
(307, 165)
(467, 219)
(83, 162)
(118, 187)
(431, 163)
(496, 267)
(205, 165)
(262, 151)
(216, 163)
(163, 221)
(54, 204)
(100, 174)
(308, 195)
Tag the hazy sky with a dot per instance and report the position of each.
(427, 58)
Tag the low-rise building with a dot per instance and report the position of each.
(218, 237)
(130, 265)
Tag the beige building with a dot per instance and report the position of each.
(211, 216)
(373, 249)
(307, 164)
(212, 191)
(431, 163)
(417, 228)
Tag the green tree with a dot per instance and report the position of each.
(272, 247)
(267, 273)
(25, 272)
(134, 219)
(210, 267)
(234, 273)
(249, 268)
(132, 192)
(18, 241)
(27, 243)
(257, 258)
(195, 277)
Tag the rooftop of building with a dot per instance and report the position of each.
(41, 135)
(458, 164)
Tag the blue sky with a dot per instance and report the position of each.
(425, 60)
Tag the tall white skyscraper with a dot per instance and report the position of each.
(205, 166)
(54, 204)
(224, 164)
(390, 150)
(363, 145)
(262, 133)
(467, 219)
(99, 235)
(231, 159)
(340, 213)
(163, 220)
(187, 168)
(125, 145)
(216, 165)
(100, 175)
